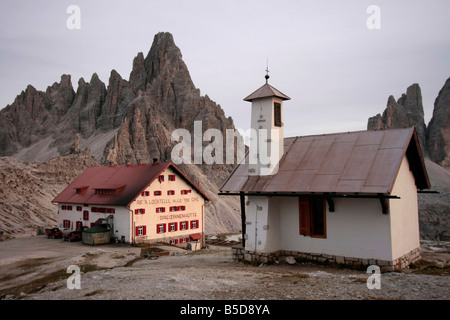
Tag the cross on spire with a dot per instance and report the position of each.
(267, 71)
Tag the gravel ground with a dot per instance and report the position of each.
(34, 268)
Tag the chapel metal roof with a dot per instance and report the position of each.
(363, 162)
(128, 181)
(267, 91)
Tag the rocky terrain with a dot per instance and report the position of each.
(27, 190)
(35, 268)
(434, 208)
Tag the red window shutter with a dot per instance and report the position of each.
(164, 227)
(135, 211)
(305, 216)
(157, 228)
(145, 230)
(143, 211)
(137, 231)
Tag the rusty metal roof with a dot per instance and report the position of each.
(128, 181)
(365, 162)
(267, 91)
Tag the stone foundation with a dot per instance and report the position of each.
(240, 254)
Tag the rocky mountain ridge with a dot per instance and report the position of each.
(407, 111)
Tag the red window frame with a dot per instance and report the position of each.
(170, 192)
(174, 225)
(173, 208)
(139, 211)
(157, 193)
(144, 231)
(79, 226)
(79, 208)
(184, 224)
(66, 224)
(194, 224)
(160, 209)
(174, 241)
(181, 208)
(161, 178)
(171, 177)
(85, 215)
(159, 226)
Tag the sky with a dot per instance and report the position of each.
(338, 61)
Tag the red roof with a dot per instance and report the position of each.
(116, 185)
(354, 162)
(196, 236)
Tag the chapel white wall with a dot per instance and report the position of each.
(404, 213)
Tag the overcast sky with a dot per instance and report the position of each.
(337, 71)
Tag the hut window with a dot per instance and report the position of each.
(312, 217)
(183, 225)
(194, 224)
(160, 209)
(161, 228)
(139, 211)
(157, 193)
(85, 215)
(170, 192)
(172, 227)
(141, 230)
(66, 224)
(171, 177)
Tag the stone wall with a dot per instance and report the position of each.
(240, 254)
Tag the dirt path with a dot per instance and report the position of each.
(35, 268)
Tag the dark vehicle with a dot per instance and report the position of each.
(71, 235)
(53, 233)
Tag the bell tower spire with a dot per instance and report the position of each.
(267, 142)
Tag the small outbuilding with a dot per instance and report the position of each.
(96, 235)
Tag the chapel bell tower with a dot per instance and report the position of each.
(267, 139)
